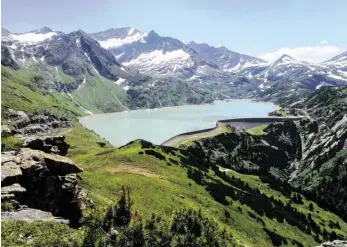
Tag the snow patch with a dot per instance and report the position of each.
(337, 77)
(87, 56)
(32, 37)
(78, 43)
(158, 59)
(120, 81)
(120, 55)
(131, 31)
(81, 85)
(341, 72)
(118, 42)
(91, 63)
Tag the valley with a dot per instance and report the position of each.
(84, 162)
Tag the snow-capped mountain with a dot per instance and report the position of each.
(75, 53)
(155, 55)
(230, 61)
(28, 38)
(303, 74)
(129, 57)
(339, 62)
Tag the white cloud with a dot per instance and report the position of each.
(318, 53)
(323, 42)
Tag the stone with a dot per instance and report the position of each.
(32, 215)
(47, 144)
(36, 122)
(44, 181)
(335, 243)
(5, 131)
(14, 191)
(57, 165)
(101, 143)
(10, 173)
(9, 156)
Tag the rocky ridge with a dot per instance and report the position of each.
(38, 182)
(309, 155)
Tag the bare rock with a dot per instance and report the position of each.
(5, 131)
(101, 143)
(10, 173)
(335, 243)
(43, 181)
(14, 191)
(57, 165)
(32, 215)
(47, 144)
(40, 122)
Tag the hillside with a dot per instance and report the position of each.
(75, 67)
(178, 196)
(281, 184)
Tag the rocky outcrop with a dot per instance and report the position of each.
(321, 145)
(14, 191)
(33, 123)
(48, 144)
(244, 152)
(31, 215)
(5, 131)
(335, 243)
(43, 181)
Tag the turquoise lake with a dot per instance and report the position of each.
(158, 125)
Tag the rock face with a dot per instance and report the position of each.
(43, 122)
(42, 181)
(335, 243)
(308, 154)
(31, 215)
(48, 144)
(244, 152)
(14, 191)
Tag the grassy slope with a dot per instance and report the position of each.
(103, 94)
(188, 141)
(160, 188)
(259, 130)
(16, 94)
(96, 95)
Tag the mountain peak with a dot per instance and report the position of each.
(284, 59)
(152, 33)
(4, 32)
(220, 46)
(337, 57)
(79, 33)
(43, 30)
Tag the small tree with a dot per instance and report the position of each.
(310, 206)
(120, 214)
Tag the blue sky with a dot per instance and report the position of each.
(306, 29)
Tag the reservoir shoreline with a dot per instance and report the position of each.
(160, 124)
(178, 106)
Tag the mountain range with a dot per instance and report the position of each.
(276, 184)
(127, 63)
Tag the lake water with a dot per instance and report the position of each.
(158, 125)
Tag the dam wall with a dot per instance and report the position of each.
(238, 123)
